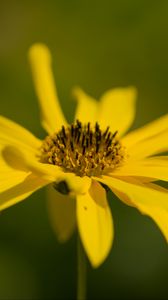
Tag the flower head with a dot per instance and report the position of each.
(83, 150)
(77, 161)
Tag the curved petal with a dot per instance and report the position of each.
(95, 223)
(12, 133)
(22, 160)
(21, 191)
(154, 168)
(87, 107)
(146, 132)
(117, 109)
(10, 177)
(62, 213)
(156, 187)
(51, 113)
(148, 200)
(155, 145)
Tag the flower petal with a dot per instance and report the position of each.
(51, 113)
(148, 200)
(156, 187)
(155, 168)
(117, 109)
(12, 133)
(155, 145)
(10, 177)
(146, 132)
(21, 191)
(87, 107)
(22, 160)
(95, 223)
(62, 213)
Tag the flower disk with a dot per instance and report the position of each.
(83, 150)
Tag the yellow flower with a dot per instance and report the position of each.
(82, 159)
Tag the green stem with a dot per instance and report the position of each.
(81, 285)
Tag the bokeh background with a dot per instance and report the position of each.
(97, 45)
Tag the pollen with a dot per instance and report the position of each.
(83, 150)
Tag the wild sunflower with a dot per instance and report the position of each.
(79, 161)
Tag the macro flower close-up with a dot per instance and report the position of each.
(80, 162)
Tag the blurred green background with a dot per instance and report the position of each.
(97, 45)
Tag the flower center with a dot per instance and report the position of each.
(83, 150)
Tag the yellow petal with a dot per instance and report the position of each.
(117, 109)
(10, 177)
(77, 185)
(146, 132)
(155, 145)
(51, 113)
(87, 107)
(13, 179)
(12, 133)
(95, 224)
(21, 191)
(156, 187)
(148, 200)
(62, 213)
(153, 168)
(22, 160)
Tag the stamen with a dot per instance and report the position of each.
(78, 137)
(84, 150)
(91, 136)
(108, 137)
(106, 131)
(72, 130)
(88, 126)
(62, 139)
(83, 140)
(115, 133)
(72, 146)
(63, 131)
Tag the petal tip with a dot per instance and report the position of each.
(39, 50)
(96, 263)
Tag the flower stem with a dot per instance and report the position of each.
(81, 285)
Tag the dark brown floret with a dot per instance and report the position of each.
(83, 149)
